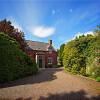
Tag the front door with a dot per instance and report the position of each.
(40, 60)
(40, 63)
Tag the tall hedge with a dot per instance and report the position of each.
(77, 52)
(60, 54)
(93, 68)
(14, 63)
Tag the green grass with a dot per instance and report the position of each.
(86, 76)
(98, 79)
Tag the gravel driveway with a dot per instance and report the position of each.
(51, 84)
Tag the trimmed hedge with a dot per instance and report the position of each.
(14, 63)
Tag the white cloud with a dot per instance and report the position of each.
(85, 33)
(42, 31)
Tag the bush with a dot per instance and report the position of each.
(94, 69)
(83, 71)
(14, 63)
(75, 69)
(82, 55)
(76, 54)
(98, 79)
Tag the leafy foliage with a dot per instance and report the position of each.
(98, 79)
(14, 63)
(76, 53)
(93, 67)
(60, 54)
(82, 55)
(7, 28)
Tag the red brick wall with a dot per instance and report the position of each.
(53, 55)
(32, 54)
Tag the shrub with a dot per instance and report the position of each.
(98, 79)
(77, 53)
(94, 69)
(83, 71)
(14, 63)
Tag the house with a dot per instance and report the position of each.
(44, 54)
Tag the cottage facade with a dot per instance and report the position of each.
(43, 53)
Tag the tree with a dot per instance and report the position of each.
(14, 63)
(76, 53)
(7, 28)
(60, 54)
(93, 68)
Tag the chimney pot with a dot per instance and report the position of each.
(50, 42)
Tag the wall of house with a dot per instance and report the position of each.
(32, 54)
(53, 55)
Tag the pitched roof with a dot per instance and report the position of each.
(35, 45)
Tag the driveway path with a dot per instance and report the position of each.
(51, 84)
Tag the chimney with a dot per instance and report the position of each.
(50, 42)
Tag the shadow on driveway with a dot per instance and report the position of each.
(44, 75)
(79, 95)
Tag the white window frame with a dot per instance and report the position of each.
(49, 60)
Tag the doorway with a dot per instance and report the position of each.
(40, 60)
(40, 63)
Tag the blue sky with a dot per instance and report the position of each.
(59, 20)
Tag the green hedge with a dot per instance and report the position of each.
(76, 54)
(14, 63)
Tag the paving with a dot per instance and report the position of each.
(51, 84)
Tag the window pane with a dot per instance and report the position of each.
(49, 60)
